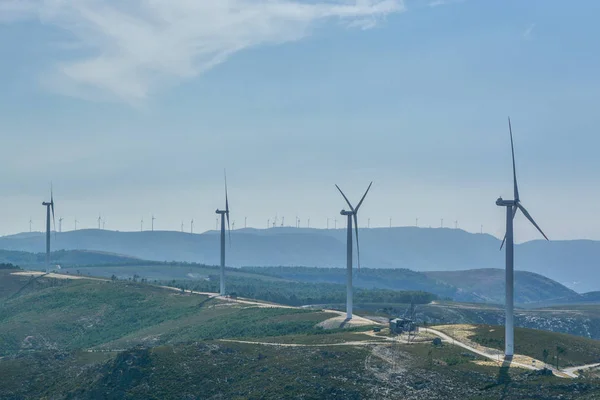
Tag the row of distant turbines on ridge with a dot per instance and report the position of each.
(274, 223)
(512, 207)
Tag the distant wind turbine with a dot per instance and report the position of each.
(192, 226)
(76, 223)
(142, 225)
(103, 223)
(442, 223)
(369, 223)
(417, 222)
(99, 220)
(245, 222)
(390, 222)
(352, 216)
(153, 222)
(327, 223)
(224, 214)
(30, 222)
(60, 220)
(181, 226)
(511, 210)
(456, 224)
(49, 206)
(308, 225)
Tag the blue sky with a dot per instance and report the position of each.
(135, 107)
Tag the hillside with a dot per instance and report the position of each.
(572, 263)
(90, 339)
(64, 258)
(484, 285)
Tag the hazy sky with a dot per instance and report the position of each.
(134, 107)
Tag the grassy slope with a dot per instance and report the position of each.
(532, 343)
(183, 361)
(67, 314)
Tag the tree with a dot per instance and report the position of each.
(559, 350)
(545, 355)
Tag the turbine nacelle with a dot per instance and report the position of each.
(344, 212)
(505, 203)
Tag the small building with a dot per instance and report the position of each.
(401, 325)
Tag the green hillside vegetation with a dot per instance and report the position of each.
(531, 342)
(298, 294)
(241, 371)
(62, 314)
(66, 258)
(90, 339)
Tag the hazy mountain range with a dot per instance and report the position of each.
(572, 263)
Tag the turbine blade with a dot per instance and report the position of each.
(363, 198)
(52, 207)
(357, 245)
(514, 213)
(228, 227)
(226, 198)
(345, 198)
(512, 148)
(524, 211)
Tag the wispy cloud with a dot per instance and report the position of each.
(135, 47)
(437, 3)
(527, 33)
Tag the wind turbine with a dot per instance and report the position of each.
(30, 222)
(76, 223)
(99, 220)
(142, 225)
(192, 226)
(181, 226)
(511, 210)
(352, 215)
(60, 220)
(153, 222)
(49, 206)
(224, 214)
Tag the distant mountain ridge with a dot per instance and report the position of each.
(572, 263)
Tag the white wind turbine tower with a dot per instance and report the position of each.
(192, 226)
(49, 206)
(352, 215)
(60, 220)
(511, 210)
(224, 214)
